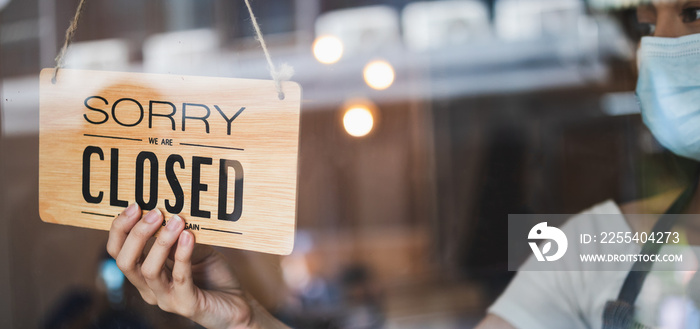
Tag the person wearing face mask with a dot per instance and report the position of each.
(668, 91)
(198, 283)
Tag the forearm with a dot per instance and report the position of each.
(262, 319)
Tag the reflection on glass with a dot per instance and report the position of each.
(379, 75)
(113, 280)
(328, 49)
(358, 121)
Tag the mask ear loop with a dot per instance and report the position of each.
(60, 58)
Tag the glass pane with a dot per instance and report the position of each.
(424, 125)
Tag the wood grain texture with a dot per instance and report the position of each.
(263, 138)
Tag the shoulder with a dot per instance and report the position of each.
(564, 295)
(656, 204)
(610, 215)
(606, 215)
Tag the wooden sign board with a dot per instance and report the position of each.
(221, 153)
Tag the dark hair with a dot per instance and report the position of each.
(629, 23)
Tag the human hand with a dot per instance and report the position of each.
(197, 283)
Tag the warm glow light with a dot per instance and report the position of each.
(328, 49)
(358, 121)
(379, 75)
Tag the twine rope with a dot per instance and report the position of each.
(284, 73)
(60, 58)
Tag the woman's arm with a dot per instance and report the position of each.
(197, 283)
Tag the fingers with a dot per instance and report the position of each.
(128, 238)
(132, 250)
(182, 269)
(121, 226)
(179, 295)
(152, 268)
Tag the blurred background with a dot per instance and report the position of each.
(423, 125)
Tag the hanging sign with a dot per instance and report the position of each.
(220, 152)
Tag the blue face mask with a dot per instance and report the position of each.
(668, 90)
